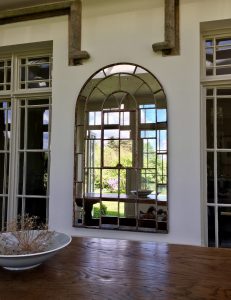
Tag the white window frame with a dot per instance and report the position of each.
(15, 53)
(213, 82)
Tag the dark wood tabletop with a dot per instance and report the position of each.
(108, 269)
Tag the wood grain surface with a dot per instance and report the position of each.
(107, 269)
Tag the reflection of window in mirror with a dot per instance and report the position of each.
(121, 151)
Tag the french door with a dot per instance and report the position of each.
(218, 153)
(24, 157)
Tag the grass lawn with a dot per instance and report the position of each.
(110, 208)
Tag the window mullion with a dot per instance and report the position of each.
(215, 169)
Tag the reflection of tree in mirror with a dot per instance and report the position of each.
(111, 159)
(151, 162)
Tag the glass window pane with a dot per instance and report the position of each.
(125, 134)
(161, 115)
(2, 76)
(162, 192)
(93, 181)
(126, 156)
(147, 215)
(45, 140)
(3, 212)
(22, 127)
(2, 130)
(224, 226)
(149, 154)
(161, 140)
(111, 118)
(223, 41)
(125, 118)
(7, 166)
(93, 153)
(23, 72)
(8, 75)
(161, 168)
(119, 68)
(2, 173)
(210, 177)
(209, 57)
(21, 179)
(209, 71)
(211, 227)
(223, 123)
(147, 116)
(111, 134)
(37, 130)
(110, 208)
(36, 207)
(223, 91)
(208, 42)
(210, 123)
(35, 72)
(148, 180)
(46, 117)
(111, 153)
(110, 182)
(36, 173)
(209, 92)
(5, 75)
(38, 72)
(148, 133)
(5, 126)
(224, 177)
(122, 182)
(223, 71)
(94, 118)
(223, 55)
(93, 134)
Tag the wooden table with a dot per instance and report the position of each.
(107, 269)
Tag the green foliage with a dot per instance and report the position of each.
(111, 159)
(99, 211)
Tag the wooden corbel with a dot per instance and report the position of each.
(72, 8)
(75, 21)
(171, 44)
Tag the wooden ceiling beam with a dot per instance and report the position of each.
(72, 8)
(171, 45)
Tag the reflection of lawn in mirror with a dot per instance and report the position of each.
(109, 208)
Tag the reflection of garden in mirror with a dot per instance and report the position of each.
(122, 118)
(110, 181)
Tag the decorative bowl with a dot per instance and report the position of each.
(141, 193)
(28, 261)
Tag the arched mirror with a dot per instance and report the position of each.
(120, 155)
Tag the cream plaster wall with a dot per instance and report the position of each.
(123, 31)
